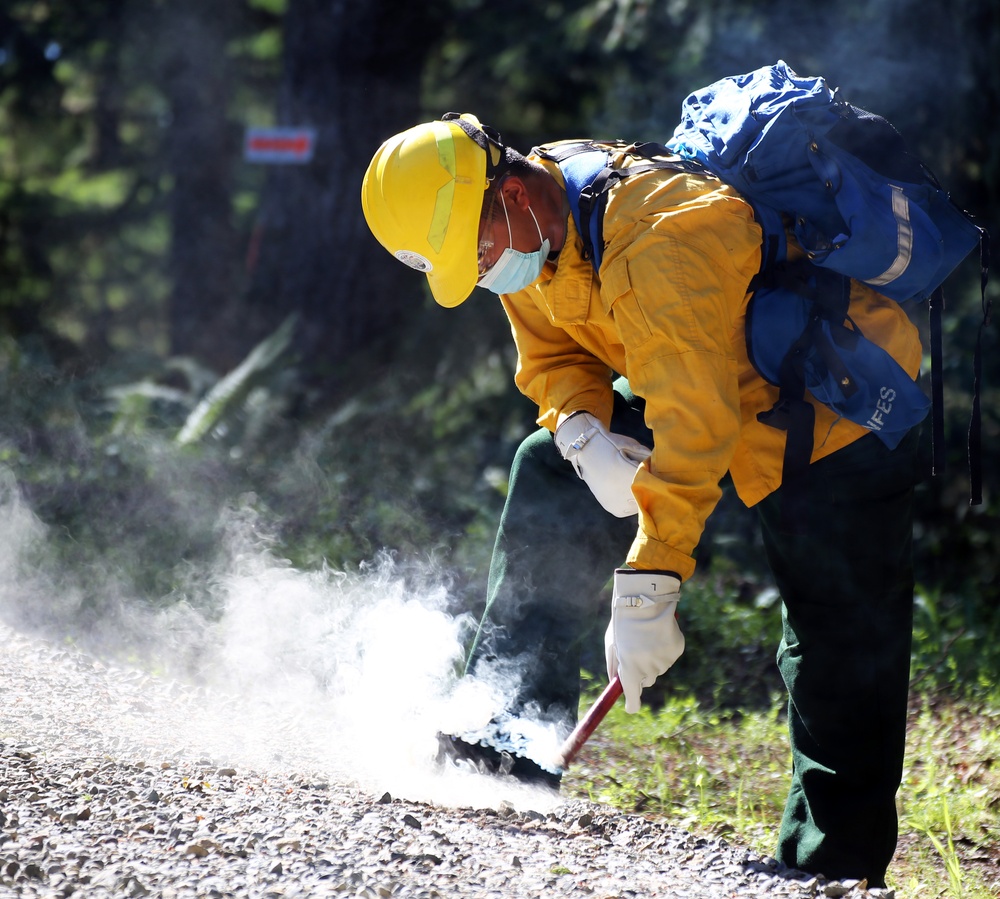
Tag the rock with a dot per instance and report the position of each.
(836, 889)
(33, 872)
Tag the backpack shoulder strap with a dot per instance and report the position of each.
(589, 174)
(582, 163)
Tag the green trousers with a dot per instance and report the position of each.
(846, 581)
(846, 584)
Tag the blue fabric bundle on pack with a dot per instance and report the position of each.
(862, 205)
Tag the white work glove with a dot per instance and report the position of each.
(644, 638)
(606, 461)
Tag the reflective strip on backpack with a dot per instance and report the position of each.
(904, 239)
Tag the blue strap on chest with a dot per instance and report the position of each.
(580, 171)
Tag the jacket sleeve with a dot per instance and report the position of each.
(557, 373)
(675, 284)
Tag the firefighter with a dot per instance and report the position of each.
(646, 399)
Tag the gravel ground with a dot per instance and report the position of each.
(115, 783)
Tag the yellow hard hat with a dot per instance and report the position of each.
(423, 194)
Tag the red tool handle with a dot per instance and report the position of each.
(588, 724)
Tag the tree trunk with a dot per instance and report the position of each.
(200, 151)
(352, 71)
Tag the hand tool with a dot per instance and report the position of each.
(588, 724)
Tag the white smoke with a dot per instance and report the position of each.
(355, 673)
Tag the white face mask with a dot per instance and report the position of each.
(515, 270)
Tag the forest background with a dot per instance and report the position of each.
(189, 338)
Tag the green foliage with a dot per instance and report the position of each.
(86, 173)
(68, 188)
(956, 650)
(554, 79)
(950, 785)
(685, 762)
(959, 544)
(236, 386)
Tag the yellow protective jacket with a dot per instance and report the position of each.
(667, 310)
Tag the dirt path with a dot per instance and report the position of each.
(115, 783)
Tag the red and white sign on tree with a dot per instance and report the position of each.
(287, 146)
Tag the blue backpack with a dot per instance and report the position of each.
(860, 206)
